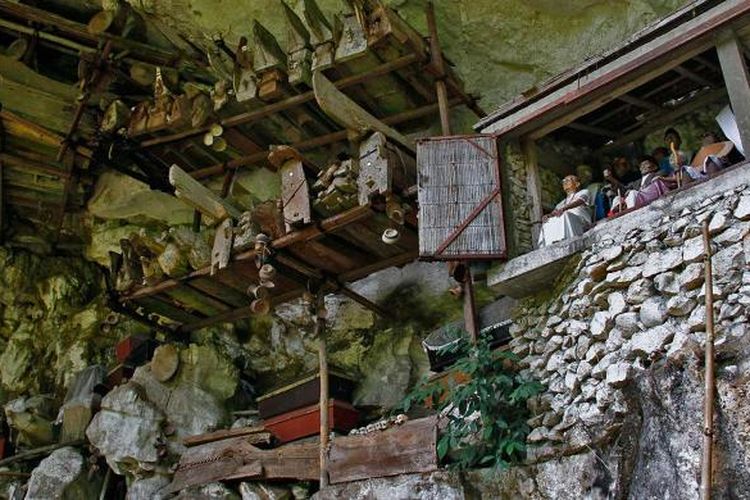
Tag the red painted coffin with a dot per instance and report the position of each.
(135, 350)
(305, 422)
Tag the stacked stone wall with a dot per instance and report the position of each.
(619, 344)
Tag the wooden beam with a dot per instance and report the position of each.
(661, 120)
(351, 115)
(80, 32)
(226, 434)
(683, 71)
(290, 102)
(320, 333)
(200, 197)
(637, 101)
(737, 81)
(316, 142)
(582, 127)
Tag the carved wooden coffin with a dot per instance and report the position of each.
(460, 201)
(406, 449)
(235, 458)
(382, 168)
(295, 193)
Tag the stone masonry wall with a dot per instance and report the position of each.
(619, 345)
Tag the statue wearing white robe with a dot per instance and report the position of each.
(571, 222)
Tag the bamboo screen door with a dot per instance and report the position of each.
(460, 200)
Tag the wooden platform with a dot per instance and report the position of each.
(337, 250)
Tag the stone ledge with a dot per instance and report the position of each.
(534, 271)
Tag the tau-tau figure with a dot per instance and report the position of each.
(571, 217)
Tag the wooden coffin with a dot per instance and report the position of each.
(405, 449)
(118, 375)
(302, 393)
(305, 422)
(135, 349)
(236, 458)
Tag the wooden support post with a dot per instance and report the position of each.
(320, 319)
(709, 378)
(533, 187)
(2, 202)
(470, 308)
(439, 64)
(737, 81)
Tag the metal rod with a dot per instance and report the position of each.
(710, 382)
(439, 64)
(324, 393)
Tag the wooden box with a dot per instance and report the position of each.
(135, 350)
(303, 393)
(118, 375)
(305, 422)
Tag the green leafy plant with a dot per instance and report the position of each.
(487, 414)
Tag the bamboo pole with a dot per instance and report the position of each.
(323, 361)
(710, 383)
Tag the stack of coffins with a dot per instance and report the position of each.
(293, 412)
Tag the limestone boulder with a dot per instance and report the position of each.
(62, 475)
(128, 430)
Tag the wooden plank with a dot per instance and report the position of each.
(736, 79)
(253, 433)
(236, 458)
(200, 197)
(349, 114)
(406, 449)
(80, 32)
(167, 309)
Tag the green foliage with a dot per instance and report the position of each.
(487, 414)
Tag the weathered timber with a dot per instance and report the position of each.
(735, 70)
(80, 32)
(200, 197)
(295, 194)
(349, 114)
(299, 54)
(324, 432)
(461, 214)
(235, 458)
(321, 36)
(17, 126)
(277, 107)
(252, 435)
(35, 97)
(407, 449)
(382, 168)
(222, 248)
(316, 142)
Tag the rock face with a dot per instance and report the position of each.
(131, 428)
(62, 475)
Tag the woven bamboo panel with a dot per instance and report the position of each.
(456, 177)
